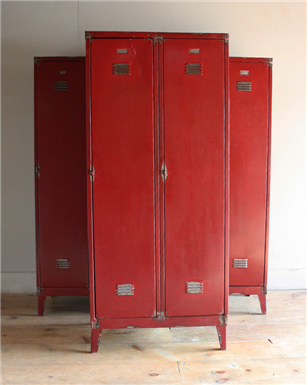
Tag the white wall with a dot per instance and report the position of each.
(262, 29)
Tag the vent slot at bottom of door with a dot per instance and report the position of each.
(243, 86)
(240, 263)
(61, 86)
(194, 287)
(63, 264)
(126, 289)
(193, 69)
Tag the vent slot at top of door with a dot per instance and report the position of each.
(244, 72)
(243, 86)
(194, 50)
(61, 86)
(240, 263)
(121, 69)
(194, 287)
(193, 69)
(63, 263)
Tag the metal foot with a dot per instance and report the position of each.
(262, 299)
(95, 339)
(41, 305)
(222, 336)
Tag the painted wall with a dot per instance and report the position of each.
(265, 29)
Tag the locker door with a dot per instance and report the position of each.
(248, 171)
(194, 188)
(123, 188)
(61, 181)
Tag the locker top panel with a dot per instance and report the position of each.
(59, 59)
(251, 60)
(164, 35)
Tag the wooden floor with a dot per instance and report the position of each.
(54, 349)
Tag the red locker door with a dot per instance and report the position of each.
(194, 189)
(123, 188)
(61, 176)
(248, 171)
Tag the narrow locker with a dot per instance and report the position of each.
(60, 178)
(250, 128)
(158, 185)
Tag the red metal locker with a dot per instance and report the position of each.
(60, 182)
(157, 131)
(250, 130)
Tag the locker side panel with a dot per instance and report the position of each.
(194, 90)
(249, 167)
(123, 188)
(61, 216)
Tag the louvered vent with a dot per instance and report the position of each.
(126, 289)
(240, 263)
(243, 86)
(193, 69)
(194, 287)
(122, 50)
(121, 69)
(63, 264)
(61, 86)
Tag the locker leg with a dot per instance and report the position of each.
(95, 339)
(41, 305)
(262, 299)
(222, 336)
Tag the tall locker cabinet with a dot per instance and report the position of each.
(250, 143)
(60, 181)
(157, 130)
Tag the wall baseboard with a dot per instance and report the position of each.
(278, 279)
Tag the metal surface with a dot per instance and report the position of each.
(123, 190)
(125, 289)
(194, 144)
(131, 136)
(60, 158)
(250, 169)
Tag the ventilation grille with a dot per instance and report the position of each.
(240, 263)
(122, 50)
(243, 86)
(193, 69)
(194, 50)
(126, 289)
(121, 69)
(194, 287)
(63, 264)
(61, 86)
(244, 72)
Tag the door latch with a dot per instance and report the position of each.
(92, 173)
(164, 172)
(37, 170)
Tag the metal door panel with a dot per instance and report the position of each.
(61, 174)
(248, 172)
(123, 188)
(194, 189)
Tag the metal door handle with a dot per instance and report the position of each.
(164, 172)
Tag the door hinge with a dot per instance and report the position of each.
(164, 172)
(37, 170)
(92, 173)
(95, 324)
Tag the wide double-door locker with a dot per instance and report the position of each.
(158, 184)
(250, 123)
(60, 178)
